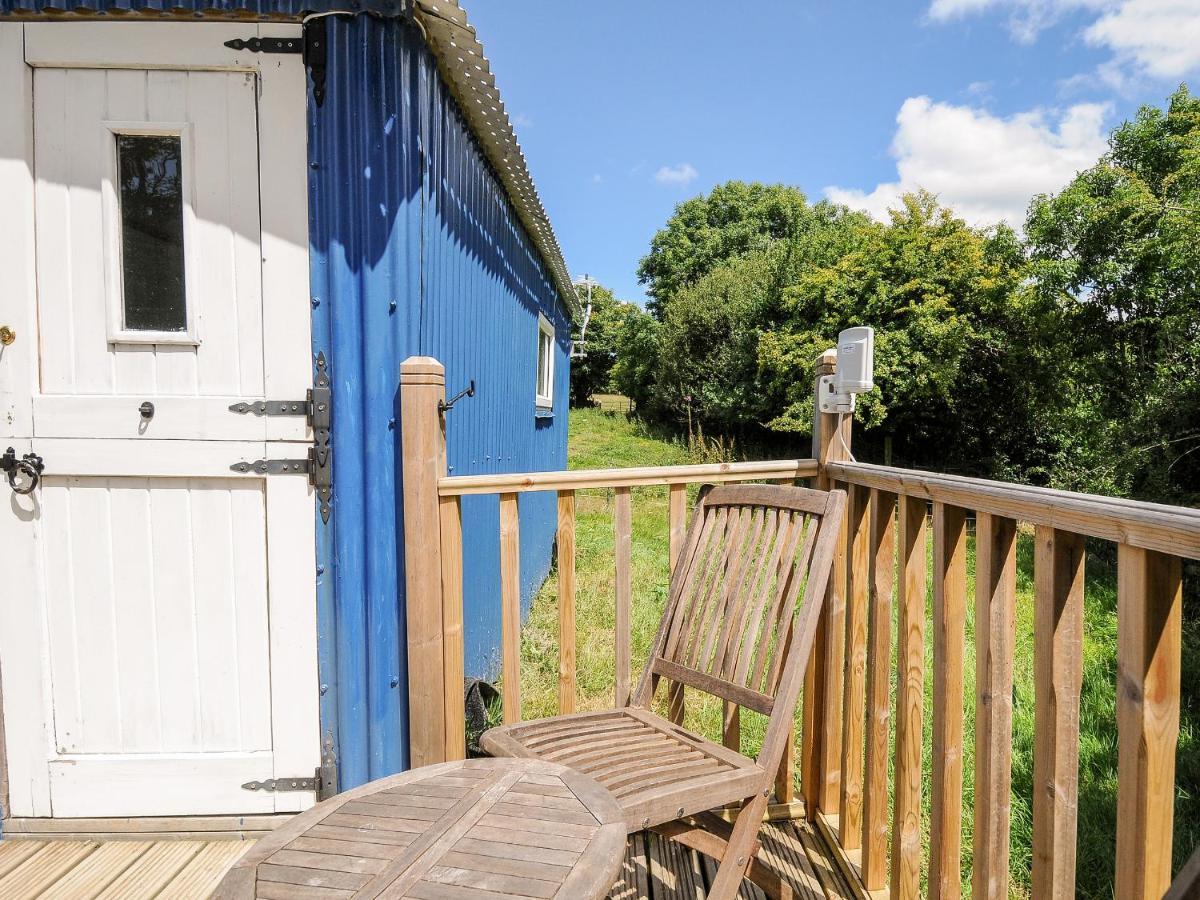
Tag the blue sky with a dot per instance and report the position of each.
(626, 108)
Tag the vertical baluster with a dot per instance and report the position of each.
(1058, 677)
(510, 607)
(882, 558)
(623, 525)
(566, 602)
(450, 518)
(854, 693)
(949, 635)
(1149, 616)
(677, 507)
(995, 622)
(785, 788)
(910, 701)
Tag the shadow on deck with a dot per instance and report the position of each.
(655, 868)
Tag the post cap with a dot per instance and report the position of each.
(421, 368)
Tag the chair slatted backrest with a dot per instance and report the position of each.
(731, 615)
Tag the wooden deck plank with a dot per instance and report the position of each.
(153, 871)
(654, 868)
(198, 879)
(44, 868)
(13, 853)
(97, 870)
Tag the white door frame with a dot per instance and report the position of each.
(284, 244)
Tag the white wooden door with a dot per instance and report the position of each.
(158, 643)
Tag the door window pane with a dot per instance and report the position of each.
(150, 168)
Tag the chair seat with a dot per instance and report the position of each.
(656, 770)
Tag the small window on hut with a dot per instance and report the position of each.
(148, 295)
(545, 364)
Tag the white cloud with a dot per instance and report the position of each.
(521, 120)
(1160, 38)
(679, 175)
(597, 178)
(984, 167)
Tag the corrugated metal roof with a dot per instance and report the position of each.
(460, 59)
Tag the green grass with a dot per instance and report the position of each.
(601, 438)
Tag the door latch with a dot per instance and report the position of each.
(23, 474)
(316, 407)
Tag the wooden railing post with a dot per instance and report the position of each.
(995, 626)
(882, 562)
(854, 693)
(910, 699)
(949, 638)
(1149, 623)
(423, 462)
(1058, 678)
(677, 523)
(623, 537)
(510, 607)
(566, 602)
(822, 743)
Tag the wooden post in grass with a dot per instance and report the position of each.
(822, 745)
(435, 713)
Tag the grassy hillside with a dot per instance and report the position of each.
(603, 438)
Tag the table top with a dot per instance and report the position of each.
(481, 827)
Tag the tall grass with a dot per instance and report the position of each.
(602, 438)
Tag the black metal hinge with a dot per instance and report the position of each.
(267, 45)
(311, 46)
(317, 408)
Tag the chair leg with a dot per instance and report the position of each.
(740, 851)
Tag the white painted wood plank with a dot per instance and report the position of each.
(175, 418)
(90, 158)
(246, 237)
(92, 600)
(252, 649)
(161, 458)
(216, 618)
(137, 644)
(23, 663)
(180, 784)
(171, 546)
(18, 362)
(138, 45)
(51, 135)
(62, 634)
(286, 310)
(295, 718)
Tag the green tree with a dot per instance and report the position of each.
(591, 373)
(633, 372)
(1118, 252)
(733, 219)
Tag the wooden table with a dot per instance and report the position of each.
(483, 828)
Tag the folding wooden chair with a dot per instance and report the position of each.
(733, 629)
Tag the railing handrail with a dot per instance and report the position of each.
(1173, 530)
(633, 476)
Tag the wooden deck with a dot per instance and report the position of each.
(654, 868)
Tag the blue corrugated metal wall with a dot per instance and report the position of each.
(415, 250)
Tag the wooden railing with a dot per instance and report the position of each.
(880, 577)
(434, 556)
(892, 514)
